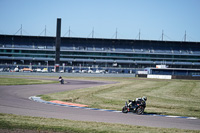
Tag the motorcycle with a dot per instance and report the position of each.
(135, 107)
(61, 81)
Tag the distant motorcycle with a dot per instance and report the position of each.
(135, 107)
(61, 80)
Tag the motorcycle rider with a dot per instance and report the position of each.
(144, 98)
(61, 80)
(137, 100)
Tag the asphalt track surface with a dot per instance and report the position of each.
(15, 100)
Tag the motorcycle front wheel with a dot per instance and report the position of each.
(140, 110)
(125, 110)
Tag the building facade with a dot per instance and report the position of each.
(98, 52)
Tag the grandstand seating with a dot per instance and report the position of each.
(112, 48)
(100, 45)
(118, 50)
(173, 50)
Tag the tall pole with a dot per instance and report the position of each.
(58, 41)
(93, 32)
(21, 30)
(116, 34)
(69, 32)
(139, 34)
(45, 31)
(162, 34)
(185, 36)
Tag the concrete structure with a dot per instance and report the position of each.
(98, 53)
(58, 41)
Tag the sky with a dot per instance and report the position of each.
(107, 18)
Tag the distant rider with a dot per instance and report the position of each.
(61, 80)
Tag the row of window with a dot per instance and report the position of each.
(96, 58)
(104, 54)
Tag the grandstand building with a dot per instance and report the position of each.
(88, 52)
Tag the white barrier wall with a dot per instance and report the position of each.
(160, 76)
(142, 72)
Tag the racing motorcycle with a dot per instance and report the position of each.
(135, 107)
(61, 80)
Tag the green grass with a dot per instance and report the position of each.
(168, 97)
(23, 81)
(10, 123)
(176, 97)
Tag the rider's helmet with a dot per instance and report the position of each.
(144, 98)
(60, 77)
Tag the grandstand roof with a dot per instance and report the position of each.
(91, 39)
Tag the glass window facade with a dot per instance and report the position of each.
(100, 52)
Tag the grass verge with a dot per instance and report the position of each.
(23, 81)
(108, 96)
(167, 97)
(12, 123)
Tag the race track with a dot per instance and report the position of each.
(15, 100)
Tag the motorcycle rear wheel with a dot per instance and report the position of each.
(140, 110)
